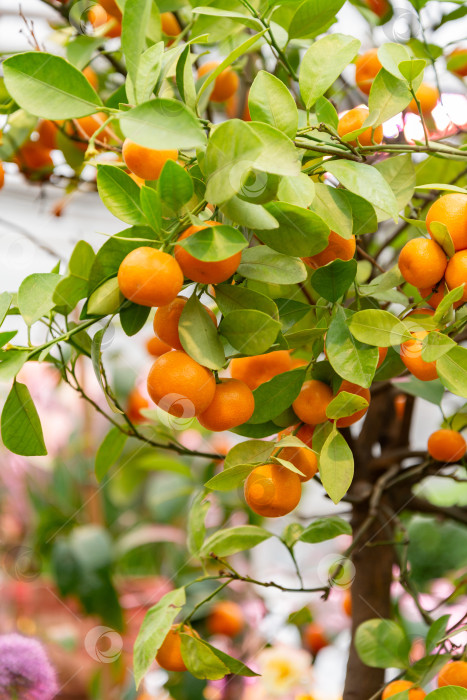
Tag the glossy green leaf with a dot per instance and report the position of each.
(205, 661)
(367, 182)
(399, 173)
(436, 632)
(350, 358)
(214, 243)
(324, 529)
(334, 208)
(120, 194)
(336, 466)
(313, 17)
(276, 395)
(429, 391)
(234, 539)
(11, 362)
(345, 404)
(5, 301)
(271, 102)
(300, 233)
(263, 264)
(323, 63)
(135, 21)
(21, 426)
(391, 54)
(198, 335)
(382, 644)
(250, 332)
(75, 285)
(133, 317)
(249, 452)
(162, 124)
(175, 186)
(449, 692)
(196, 528)
(447, 301)
(435, 345)
(452, 370)
(230, 478)
(152, 207)
(334, 279)
(298, 190)
(388, 96)
(440, 233)
(106, 299)
(232, 298)
(36, 295)
(378, 327)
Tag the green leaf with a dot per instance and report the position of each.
(249, 452)
(367, 182)
(440, 233)
(296, 189)
(390, 55)
(106, 299)
(80, 50)
(266, 265)
(153, 631)
(382, 644)
(301, 232)
(313, 17)
(428, 391)
(49, 87)
(230, 478)
(452, 370)
(436, 633)
(120, 194)
(450, 692)
(75, 286)
(198, 335)
(378, 327)
(323, 63)
(36, 295)
(412, 69)
(5, 301)
(162, 124)
(276, 395)
(21, 426)
(250, 332)
(175, 186)
(399, 173)
(336, 466)
(363, 214)
(133, 317)
(113, 252)
(345, 404)
(350, 358)
(149, 68)
(247, 214)
(333, 280)
(6, 337)
(232, 297)
(333, 206)
(271, 102)
(135, 21)
(214, 243)
(152, 207)
(278, 154)
(447, 301)
(388, 96)
(109, 451)
(324, 529)
(244, 19)
(435, 345)
(200, 659)
(185, 79)
(196, 529)
(234, 539)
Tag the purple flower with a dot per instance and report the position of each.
(25, 671)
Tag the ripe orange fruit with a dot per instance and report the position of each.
(453, 673)
(169, 655)
(257, 369)
(367, 66)
(91, 76)
(428, 97)
(305, 460)
(233, 404)
(446, 446)
(86, 126)
(451, 210)
(2, 175)
(353, 120)
(314, 637)
(147, 163)
(232, 108)
(199, 270)
(312, 401)
(297, 362)
(411, 356)
(434, 295)
(337, 248)
(422, 262)
(461, 70)
(382, 356)
(136, 401)
(225, 617)
(98, 17)
(456, 272)
(400, 401)
(156, 347)
(149, 277)
(226, 83)
(170, 24)
(272, 490)
(34, 161)
(399, 686)
(305, 434)
(111, 7)
(167, 318)
(347, 603)
(359, 391)
(181, 386)
(47, 131)
(379, 7)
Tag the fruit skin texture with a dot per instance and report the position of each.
(149, 277)
(180, 386)
(422, 262)
(314, 637)
(451, 210)
(167, 318)
(446, 446)
(201, 271)
(303, 459)
(337, 248)
(367, 66)
(399, 686)
(156, 347)
(454, 673)
(359, 391)
(233, 404)
(272, 490)
(428, 97)
(226, 83)
(147, 163)
(257, 369)
(411, 356)
(312, 401)
(170, 24)
(353, 120)
(169, 655)
(456, 272)
(226, 617)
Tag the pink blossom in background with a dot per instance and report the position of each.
(25, 671)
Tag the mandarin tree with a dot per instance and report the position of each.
(304, 270)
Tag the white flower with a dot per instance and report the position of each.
(283, 669)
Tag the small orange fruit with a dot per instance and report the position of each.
(461, 68)
(337, 248)
(305, 460)
(156, 347)
(272, 490)
(226, 83)
(86, 126)
(98, 16)
(136, 401)
(411, 356)
(353, 120)
(446, 445)
(180, 386)
(434, 295)
(91, 76)
(347, 603)
(170, 24)
(169, 655)
(400, 401)
(453, 673)
(428, 97)
(379, 7)
(2, 175)
(200, 270)
(396, 687)
(358, 391)
(150, 277)
(314, 637)
(226, 618)
(298, 362)
(233, 404)
(305, 434)
(34, 161)
(367, 66)
(312, 401)
(47, 131)
(456, 272)
(111, 7)
(257, 369)
(232, 108)
(422, 262)
(381, 356)
(451, 210)
(167, 318)
(147, 163)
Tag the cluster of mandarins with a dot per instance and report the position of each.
(452, 673)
